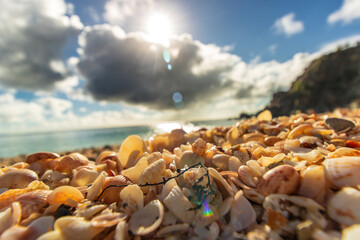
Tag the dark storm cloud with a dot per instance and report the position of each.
(32, 39)
(127, 67)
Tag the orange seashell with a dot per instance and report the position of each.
(41, 156)
(352, 144)
(113, 194)
(32, 202)
(10, 195)
(69, 162)
(63, 193)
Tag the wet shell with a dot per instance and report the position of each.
(111, 194)
(343, 171)
(281, 179)
(17, 178)
(344, 208)
(147, 219)
(41, 156)
(133, 146)
(69, 162)
(242, 214)
(179, 205)
(63, 193)
(339, 124)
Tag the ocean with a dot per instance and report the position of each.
(13, 145)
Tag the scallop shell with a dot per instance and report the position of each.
(63, 193)
(179, 205)
(69, 162)
(147, 219)
(111, 195)
(344, 208)
(242, 214)
(131, 145)
(343, 171)
(32, 202)
(152, 173)
(17, 178)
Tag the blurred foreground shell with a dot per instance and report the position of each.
(343, 171)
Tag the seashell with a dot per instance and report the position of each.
(343, 152)
(224, 186)
(176, 138)
(69, 162)
(63, 193)
(70, 226)
(170, 230)
(121, 231)
(343, 171)
(229, 174)
(159, 142)
(339, 124)
(343, 207)
(225, 206)
(271, 140)
(111, 195)
(313, 184)
(300, 130)
(108, 219)
(88, 212)
(242, 214)
(134, 172)
(131, 145)
(189, 158)
(40, 156)
(94, 189)
(255, 168)
(111, 159)
(167, 188)
(221, 161)
(10, 217)
(32, 202)
(199, 147)
(6, 198)
(351, 233)
(352, 144)
(246, 176)
(152, 173)
(258, 137)
(147, 219)
(17, 178)
(253, 195)
(83, 177)
(179, 205)
(281, 179)
(264, 116)
(234, 164)
(132, 197)
(310, 157)
(310, 142)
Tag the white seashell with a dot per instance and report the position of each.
(242, 214)
(344, 151)
(189, 158)
(83, 177)
(147, 219)
(225, 206)
(88, 212)
(351, 233)
(310, 157)
(169, 219)
(134, 172)
(133, 197)
(234, 164)
(94, 189)
(170, 230)
(121, 231)
(223, 185)
(108, 219)
(167, 188)
(344, 208)
(152, 173)
(10, 217)
(17, 178)
(313, 184)
(246, 176)
(179, 205)
(343, 171)
(221, 161)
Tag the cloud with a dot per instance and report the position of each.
(272, 48)
(32, 37)
(129, 68)
(350, 41)
(121, 12)
(288, 25)
(93, 14)
(349, 11)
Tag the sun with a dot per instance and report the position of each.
(159, 28)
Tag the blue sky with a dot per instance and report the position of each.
(85, 64)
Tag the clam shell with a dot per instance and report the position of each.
(300, 130)
(88, 212)
(41, 156)
(344, 208)
(69, 162)
(343, 171)
(234, 164)
(132, 196)
(111, 159)
(242, 214)
(131, 145)
(264, 116)
(179, 205)
(17, 178)
(83, 177)
(246, 176)
(108, 219)
(147, 219)
(310, 157)
(176, 138)
(112, 194)
(351, 233)
(339, 124)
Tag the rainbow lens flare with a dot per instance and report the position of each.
(207, 210)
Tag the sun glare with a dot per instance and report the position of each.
(159, 28)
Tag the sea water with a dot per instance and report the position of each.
(13, 145)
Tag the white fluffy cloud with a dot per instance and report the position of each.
(123, 11)
(32, 37)
(348, 12)
(288, 25)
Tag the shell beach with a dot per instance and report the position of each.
(290, 177)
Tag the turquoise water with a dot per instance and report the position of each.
(13, 145)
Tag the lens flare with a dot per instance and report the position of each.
(166, 56)
(207, 210)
